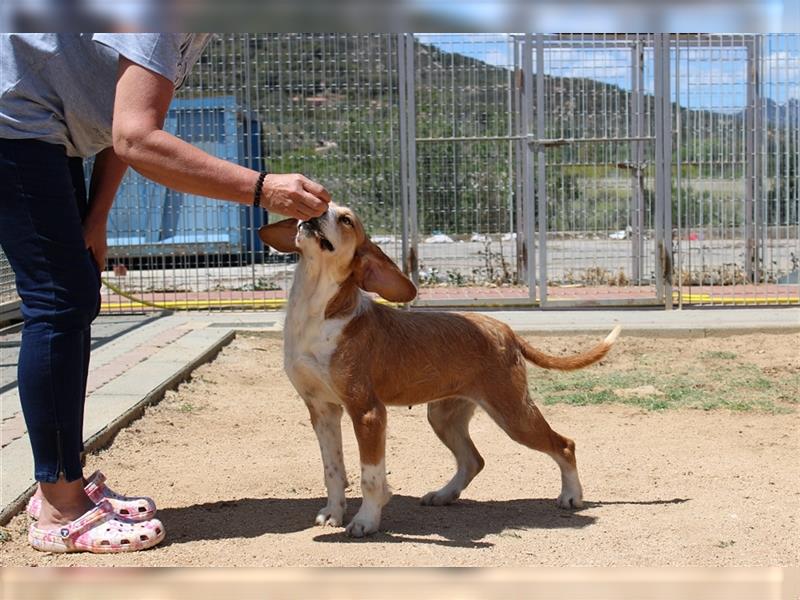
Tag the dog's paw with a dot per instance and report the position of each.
(439, 498)
(330, 517)
(359, 528)
(569, 500)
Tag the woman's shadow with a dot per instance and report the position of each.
(464, 524)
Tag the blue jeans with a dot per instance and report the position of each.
(42, 205)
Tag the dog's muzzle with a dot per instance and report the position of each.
(312, 226)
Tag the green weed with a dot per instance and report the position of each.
(738, 387)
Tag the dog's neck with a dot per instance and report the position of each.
(319, 308)
(318, 293)
(312, 289)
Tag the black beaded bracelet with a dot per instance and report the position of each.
(257, 192)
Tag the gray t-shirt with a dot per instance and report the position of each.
(59, 87)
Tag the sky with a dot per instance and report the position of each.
(618, 15)
(399, 16)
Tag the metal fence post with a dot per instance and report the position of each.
(408, 154)
(637, 160)
(520, 155)
(527, 165)
(411, 124)
(663, 133)
(752, 165)
(512, 104)
(761, 170)
(677, 247)
(669, 260)
(402, 110)
(249, 158)
(541, 174)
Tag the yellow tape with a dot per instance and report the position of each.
(709, 299)
(199, 305)
(136, 302)
(276, 303)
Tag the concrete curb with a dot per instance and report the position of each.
(106, 435)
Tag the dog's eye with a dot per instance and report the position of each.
(346, 220)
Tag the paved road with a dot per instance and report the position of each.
(569, 261)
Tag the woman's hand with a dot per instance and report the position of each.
(94, 235)
(294, 195)
(107, 174)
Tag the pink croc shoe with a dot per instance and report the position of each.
(137, 508)
(98, 531)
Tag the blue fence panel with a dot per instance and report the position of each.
(151, 220)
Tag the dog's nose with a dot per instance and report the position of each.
(311, 224)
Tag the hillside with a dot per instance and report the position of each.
(328, 107)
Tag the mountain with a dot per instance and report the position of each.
(328, 107)
(778, 115)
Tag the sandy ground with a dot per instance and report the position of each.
(234, 466)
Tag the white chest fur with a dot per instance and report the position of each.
(310, 339)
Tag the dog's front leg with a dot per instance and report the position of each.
(369, 424)
(326, 419)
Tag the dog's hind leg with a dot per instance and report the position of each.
(326, 419)
(450, 419)
(369, 423)
(513, 409)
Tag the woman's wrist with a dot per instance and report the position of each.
(258, 191)
(98, 212)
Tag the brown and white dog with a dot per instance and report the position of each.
(342, 351)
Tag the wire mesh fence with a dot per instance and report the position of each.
(737, 181)
(7, 288)
(465, 155)
(319, 104)
(711, 220)
(596, 168)
(598, 175)
(736, 217)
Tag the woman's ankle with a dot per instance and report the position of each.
(38, 492)
(62, 502)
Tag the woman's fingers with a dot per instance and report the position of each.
(316, 189)
(294, 195)
(312, 204)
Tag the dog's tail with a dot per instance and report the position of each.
(569, 363)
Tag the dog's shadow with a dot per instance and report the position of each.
(464, 524)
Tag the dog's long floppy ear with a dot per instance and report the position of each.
(280, 235)
(375, 272)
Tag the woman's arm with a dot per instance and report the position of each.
(140, 106)
(107, 174)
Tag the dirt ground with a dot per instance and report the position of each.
(234, 466)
